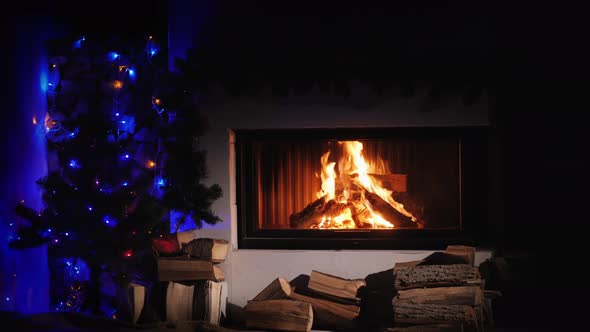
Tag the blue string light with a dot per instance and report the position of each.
(110, 222)
(73, 134)
(74, 164)
(113, 56)
(78, 43)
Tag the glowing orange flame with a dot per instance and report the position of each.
(349, 187)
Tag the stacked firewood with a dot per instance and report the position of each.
(319, 300)
(443, 292)
(189, 278)
(447, 293)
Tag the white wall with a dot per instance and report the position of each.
(248, 271)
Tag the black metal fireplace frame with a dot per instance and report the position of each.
(475, 167)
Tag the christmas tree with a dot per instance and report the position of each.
(123, 136)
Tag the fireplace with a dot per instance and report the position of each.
(361, 188)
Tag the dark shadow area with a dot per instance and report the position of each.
(376, 309)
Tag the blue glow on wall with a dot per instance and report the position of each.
(25, 273)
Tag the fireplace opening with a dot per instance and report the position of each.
(358, 188)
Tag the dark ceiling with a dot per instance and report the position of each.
(302, 41)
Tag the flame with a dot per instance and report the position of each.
(348, 187)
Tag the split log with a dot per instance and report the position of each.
(346, 311)
(388, 212)
(435, 276)
(462, 295)
(282, 315)
(466, 252)
(207, 249)
(276, 290)
(336, 286)
(301, 283)
(435, 313)
(182, 268)
(322, 318)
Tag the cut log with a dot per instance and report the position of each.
(345, 311)
(413, 313)
(214, 250)
(464, 251)
(462, 295)
(388, 212)
(393, 182)
(301, 283)
(276, 290)
(182, 268)
(435, 276)
(282, 315)
(336, 286)
(428, 328)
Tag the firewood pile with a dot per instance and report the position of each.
(443, 292)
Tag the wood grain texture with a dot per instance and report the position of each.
(178, 269)
(434, 313)
(345, 311)
(407, 277)
(462, 295)
(276, 290)
(336, 286)
(281, 315)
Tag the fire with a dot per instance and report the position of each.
(350, 194)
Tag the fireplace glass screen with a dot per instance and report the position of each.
(309, 182)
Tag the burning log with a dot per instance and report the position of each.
(309, 215)
(388, 212)
(312, 214)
